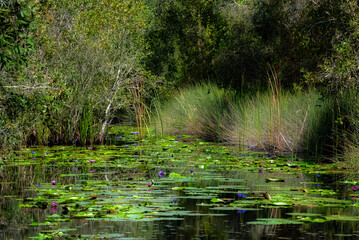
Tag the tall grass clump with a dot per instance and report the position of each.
(273, 120)
(196, 110)
(286, 122)
(346, 129)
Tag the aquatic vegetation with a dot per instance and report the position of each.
(147, 182)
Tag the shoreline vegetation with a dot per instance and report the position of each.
(278, 76)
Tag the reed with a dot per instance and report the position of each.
(274, 120)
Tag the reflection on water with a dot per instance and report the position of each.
(18, 183)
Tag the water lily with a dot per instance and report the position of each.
(75, 168)
(118, 137)
(174, 200)
(33, 152)
(318, 175)
(53, 182)
(354, 188)
(191, 170)
(126, 145)
(241, 211)
(241, 195)
(134, 133)
(54, 204)
(39, 185)
(75, 161)
(90, 148)
(161, 173)
(91, 160)
(150, 184)
(179, 136)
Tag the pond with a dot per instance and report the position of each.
(172, 188)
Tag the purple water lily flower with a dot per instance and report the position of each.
(75, 161)
(54, 209)
(191, 170)
(134, 133)
(39, 185)
(53, 182)
(318, 175)
(179, 136)
(149, 184)
(241, 195)
(75, 168)
(33, 152)
(90, 148)
(91, 160)
(54, 204)
(174, 200)
(161, 173)
(118, 137)
(354, 188)
(126, 145)
(241, 211)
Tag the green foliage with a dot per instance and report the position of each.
(183, 39)
(16, 40)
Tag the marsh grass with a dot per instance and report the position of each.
(198, 110)
(274, 120)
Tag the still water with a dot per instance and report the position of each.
(172, 189)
